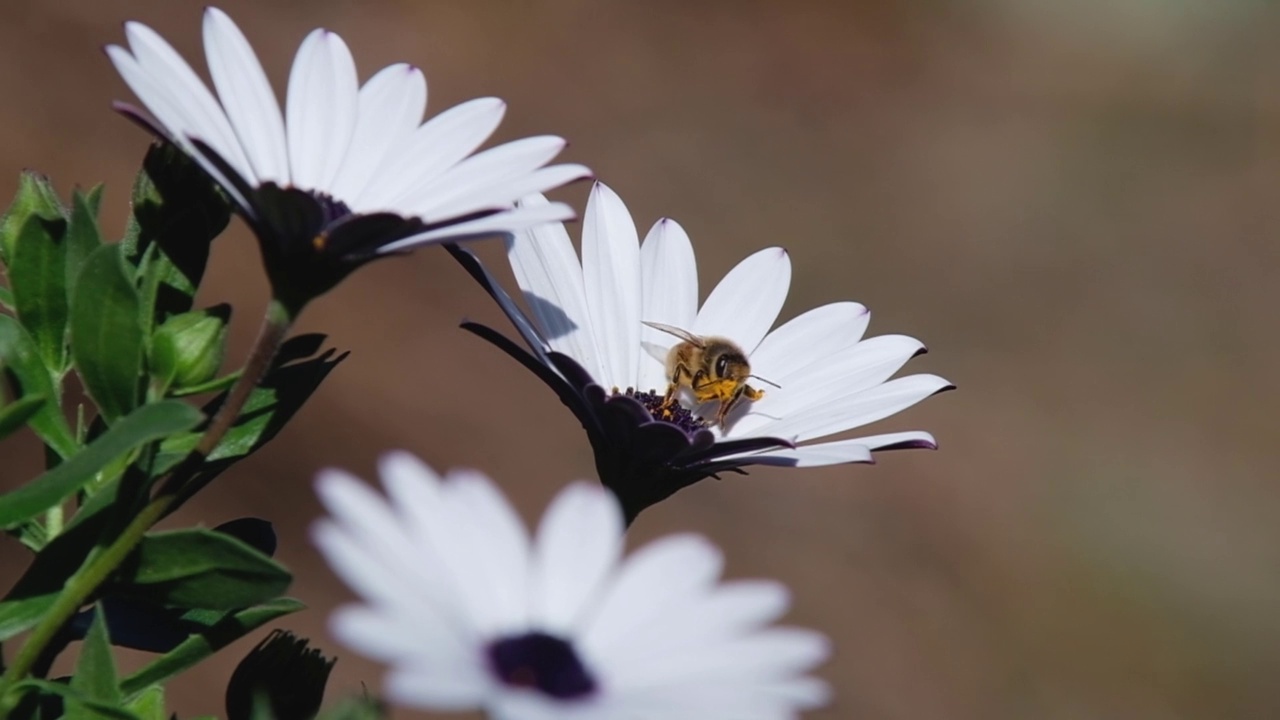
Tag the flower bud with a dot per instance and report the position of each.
(188, 349)
(35, 196)
(283, 674)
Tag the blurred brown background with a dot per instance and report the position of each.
(1073, 204)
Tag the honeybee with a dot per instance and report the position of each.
(713, 368)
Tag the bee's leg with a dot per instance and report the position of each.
(727, 404)
(752, 393)
(674, 386)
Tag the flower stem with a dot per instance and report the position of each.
(99, 566)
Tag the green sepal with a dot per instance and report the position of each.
(38, 275)
(107, 340)
(35, 197)
(95, 677)
(221, 629)
(148, 423)
(358, 707)
(20, 359)
(200, 569)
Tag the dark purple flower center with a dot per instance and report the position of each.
(331, 208)
(674, 413)
(541, 662)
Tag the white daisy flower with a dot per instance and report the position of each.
(470, 612)
(589, 341)
(346, 172)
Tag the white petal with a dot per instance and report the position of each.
(501, 193)
(439, 144)
(764, 655)
(388, 637)
(458, 687)
(846, 374)
(204, 117)
(548, 273)
(247, 96)
(669, 295)
(848, 412)
(809, 339)
(509, 221)
(719, 615)
(911, 438)
(321, 112)
(453, 192)
(654, 581)
(578, 544)
(163, 107)
(611, 275)
(832, 453)
(488, 552)
(391, 105)
(744, 305)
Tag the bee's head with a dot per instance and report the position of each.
(728, 363)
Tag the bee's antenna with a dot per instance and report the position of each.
(766, 381)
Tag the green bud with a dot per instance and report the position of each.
(187, 349)
(280, 678)
(35, 196)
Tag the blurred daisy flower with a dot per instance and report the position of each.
(587, 339)
(470, 612)
(347, 172)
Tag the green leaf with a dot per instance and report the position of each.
(95, 676)
(35, 196)
(177, 212)
(69, 696)
(6, 298)
(270, 406)
(149, 704)
(106, 336)
(83, 235)
(148, 423)
(19, 357)
(38, 274)
(362, 707)
(201, 568)
(222, 631)
(16, 414)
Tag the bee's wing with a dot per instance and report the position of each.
(672, 330)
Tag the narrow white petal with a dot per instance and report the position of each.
(848, 412)
(391, 105)
(443, 196)
(832, 453)
(809, 339)
(611, 276)
(510, 221)
(391, 637)
(578, 544)
(457, 687)
(321, 112)
(747, 301)
(656, 580)
(498, 193)
(164, 109)
(489, 553)
(204, 117)
(550, 276)
(669, 295)
(247, 96)
(910, 438)
(846, 374)
(765, 655)
(437, 145)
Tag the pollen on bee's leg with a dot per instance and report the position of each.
(318, 242)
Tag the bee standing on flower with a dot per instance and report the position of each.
(713, 368)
